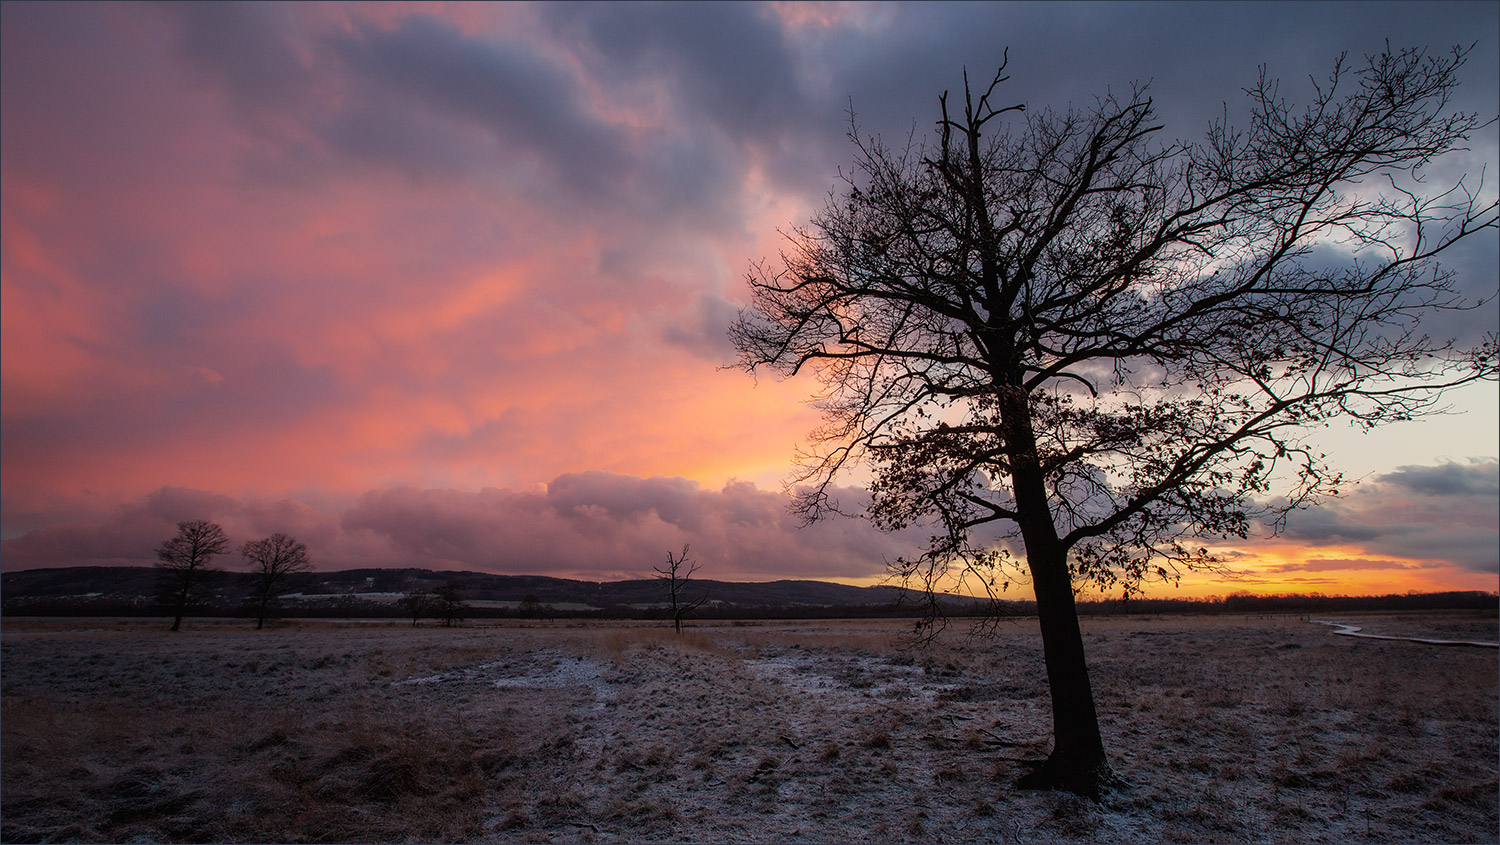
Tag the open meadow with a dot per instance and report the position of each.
(1227, 728)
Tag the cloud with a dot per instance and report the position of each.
(1446, 512)
(1473, 479)
(530, 105)
(592, 525)
(248, 49)
(1337, 565)
(130, 535)
(600, 524)
(704, 329)
(724, 64)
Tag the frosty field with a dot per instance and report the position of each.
(1223, 729)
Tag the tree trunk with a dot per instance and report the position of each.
(1077, 762)
(672, 594)
(181, 607)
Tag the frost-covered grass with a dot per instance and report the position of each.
(1224, 729)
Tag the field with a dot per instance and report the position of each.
(1223, 729)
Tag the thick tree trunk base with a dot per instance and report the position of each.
(1088, 779)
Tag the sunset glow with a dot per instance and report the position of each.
(447, 285)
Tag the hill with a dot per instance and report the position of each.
(100, 590)
(132, 591)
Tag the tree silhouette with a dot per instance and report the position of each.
(272, 559)
(530, 607)
(1066, 337)
(417, 601)
(186, 560)
(674, 576)
(447, 604)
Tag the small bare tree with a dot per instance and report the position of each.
(674, 576)
(185, 560)
(417, 602)
(531, 608)
(272, 559)
(448, 604)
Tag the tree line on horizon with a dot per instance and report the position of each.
(186, 564)
(129, 591)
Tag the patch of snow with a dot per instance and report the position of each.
(1347, 630)
(565, 672)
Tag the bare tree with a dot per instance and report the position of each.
(418, 602)
(272, 559)
(674, 576)
(530, 607)
(186, 560)
(1066, 337)
(447, 604)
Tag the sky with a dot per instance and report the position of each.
(447, 285)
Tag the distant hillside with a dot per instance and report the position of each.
(122, 589)
(131, 591)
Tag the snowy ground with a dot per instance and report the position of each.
(1224, 729)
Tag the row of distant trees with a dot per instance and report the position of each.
(444, 603)
(187, 561)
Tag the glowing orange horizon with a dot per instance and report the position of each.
(1272, 569)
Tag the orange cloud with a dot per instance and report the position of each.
(1280, 567)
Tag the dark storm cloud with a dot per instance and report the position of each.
(1195, 56)
(1448, 512)
(727, 63)
(1473, 479)
(729, 77)
(424, 99)
(530, 105)
(724, 85)
(248, 49)
(1330, 523)
(1196, 59)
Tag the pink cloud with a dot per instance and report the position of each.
(246, 325)
(592, 525)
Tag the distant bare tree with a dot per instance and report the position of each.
(448, 604)
(271, 560)
(185, 561)
(675, 577)
(417, 602)
(530, 608)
